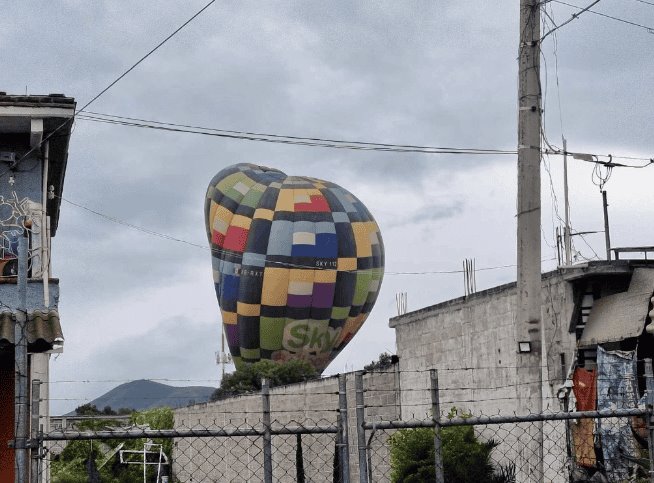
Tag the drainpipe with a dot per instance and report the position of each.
(45, 253)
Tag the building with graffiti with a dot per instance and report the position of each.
(34, 138)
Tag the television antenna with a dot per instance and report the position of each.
(223, 358)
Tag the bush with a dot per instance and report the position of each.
(248, 378)
(465, 458)
(385, 361)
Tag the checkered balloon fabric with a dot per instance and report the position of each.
(297, 264)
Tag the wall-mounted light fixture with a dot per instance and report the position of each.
(524, 347)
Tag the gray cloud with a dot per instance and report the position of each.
(429, 73)
(179, 359)
(430, 214)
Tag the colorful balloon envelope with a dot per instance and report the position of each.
(297, 264)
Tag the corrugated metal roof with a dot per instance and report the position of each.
(43, 330)
(622, 315)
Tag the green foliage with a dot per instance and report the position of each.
(89, 409)
(248, 378)
(465, 458)
(412, 456)
(72, 465)
(157, 418)
(384, 361)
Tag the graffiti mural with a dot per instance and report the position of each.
(13, 210)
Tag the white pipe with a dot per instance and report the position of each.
(45, 235)
(49, 240)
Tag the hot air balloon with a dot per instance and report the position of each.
(297, 264)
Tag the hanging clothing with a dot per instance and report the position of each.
(617, 389)
(583, 431)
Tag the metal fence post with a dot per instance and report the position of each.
(361, 432)
(35, 448)
(342, 408)
(649, 379)
(436, 417)
(267, 437)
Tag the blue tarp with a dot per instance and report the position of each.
(617, 388)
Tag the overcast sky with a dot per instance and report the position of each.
(438, 73)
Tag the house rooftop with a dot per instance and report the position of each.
(583, 271)
(26, 122)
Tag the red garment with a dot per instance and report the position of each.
(582, 431)
(585, 389)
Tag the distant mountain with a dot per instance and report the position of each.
(143, 394)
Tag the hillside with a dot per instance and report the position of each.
(144, 394)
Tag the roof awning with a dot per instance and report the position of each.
(43, 330)
(620, 316)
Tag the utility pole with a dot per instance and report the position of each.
(528, 310)
(567, 235)
(607, 234)
(21, 364)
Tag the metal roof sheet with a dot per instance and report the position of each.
(622, 315)
(43, 330)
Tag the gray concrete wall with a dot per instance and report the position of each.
(472, 342)
(35, 301)
(314, 403)
(473, 345)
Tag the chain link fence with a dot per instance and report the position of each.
(352, 429)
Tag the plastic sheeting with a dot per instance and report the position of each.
(622, 315)
(616, 389)
(585, 391)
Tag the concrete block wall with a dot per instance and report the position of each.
(472, 343)
(313, 403)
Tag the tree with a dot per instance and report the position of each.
(107, 411)
(81, 461)
(248, 378)
(384, 361)
(87, 409)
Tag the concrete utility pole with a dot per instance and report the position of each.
(528, 322)
(21, 367)
(607, 233)
(567, 236)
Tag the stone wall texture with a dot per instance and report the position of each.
(313, 403)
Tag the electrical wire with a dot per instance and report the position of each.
(328, 143)
(147, 231)
(287, 139)
(617, 19)
(594, 158)
(111, 84)
(574, 16)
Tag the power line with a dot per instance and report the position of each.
(152, 51)
(147, 231)
(574, 16)
(617, 19)
(114, 82)
(594, 158)
(321, 142)
(284, 139)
